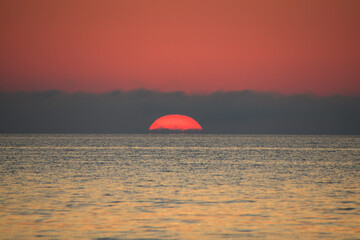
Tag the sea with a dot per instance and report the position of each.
(179, 186)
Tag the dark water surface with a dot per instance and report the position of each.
(179, 187)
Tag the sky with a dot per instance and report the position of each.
(194, 46)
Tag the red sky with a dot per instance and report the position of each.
(304, 46)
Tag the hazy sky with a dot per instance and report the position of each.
(287, 46)
(221, 112)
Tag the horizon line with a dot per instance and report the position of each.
(273, 93)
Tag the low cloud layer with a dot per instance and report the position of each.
(243, 112)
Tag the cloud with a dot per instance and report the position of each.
(243, 112)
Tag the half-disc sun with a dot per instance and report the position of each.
(175, 122)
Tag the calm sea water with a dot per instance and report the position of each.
(179, 187)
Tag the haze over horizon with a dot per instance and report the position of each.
(244, 112)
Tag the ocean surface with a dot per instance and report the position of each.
(179, 187)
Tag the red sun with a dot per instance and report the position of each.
(175, 122)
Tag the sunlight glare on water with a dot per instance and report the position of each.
(179, 187)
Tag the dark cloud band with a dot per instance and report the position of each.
(243, 112)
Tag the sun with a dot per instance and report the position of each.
(175, 122)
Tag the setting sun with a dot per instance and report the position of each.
(175, 122)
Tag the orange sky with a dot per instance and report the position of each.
(305, 46)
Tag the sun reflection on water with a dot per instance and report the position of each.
(198, 187)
